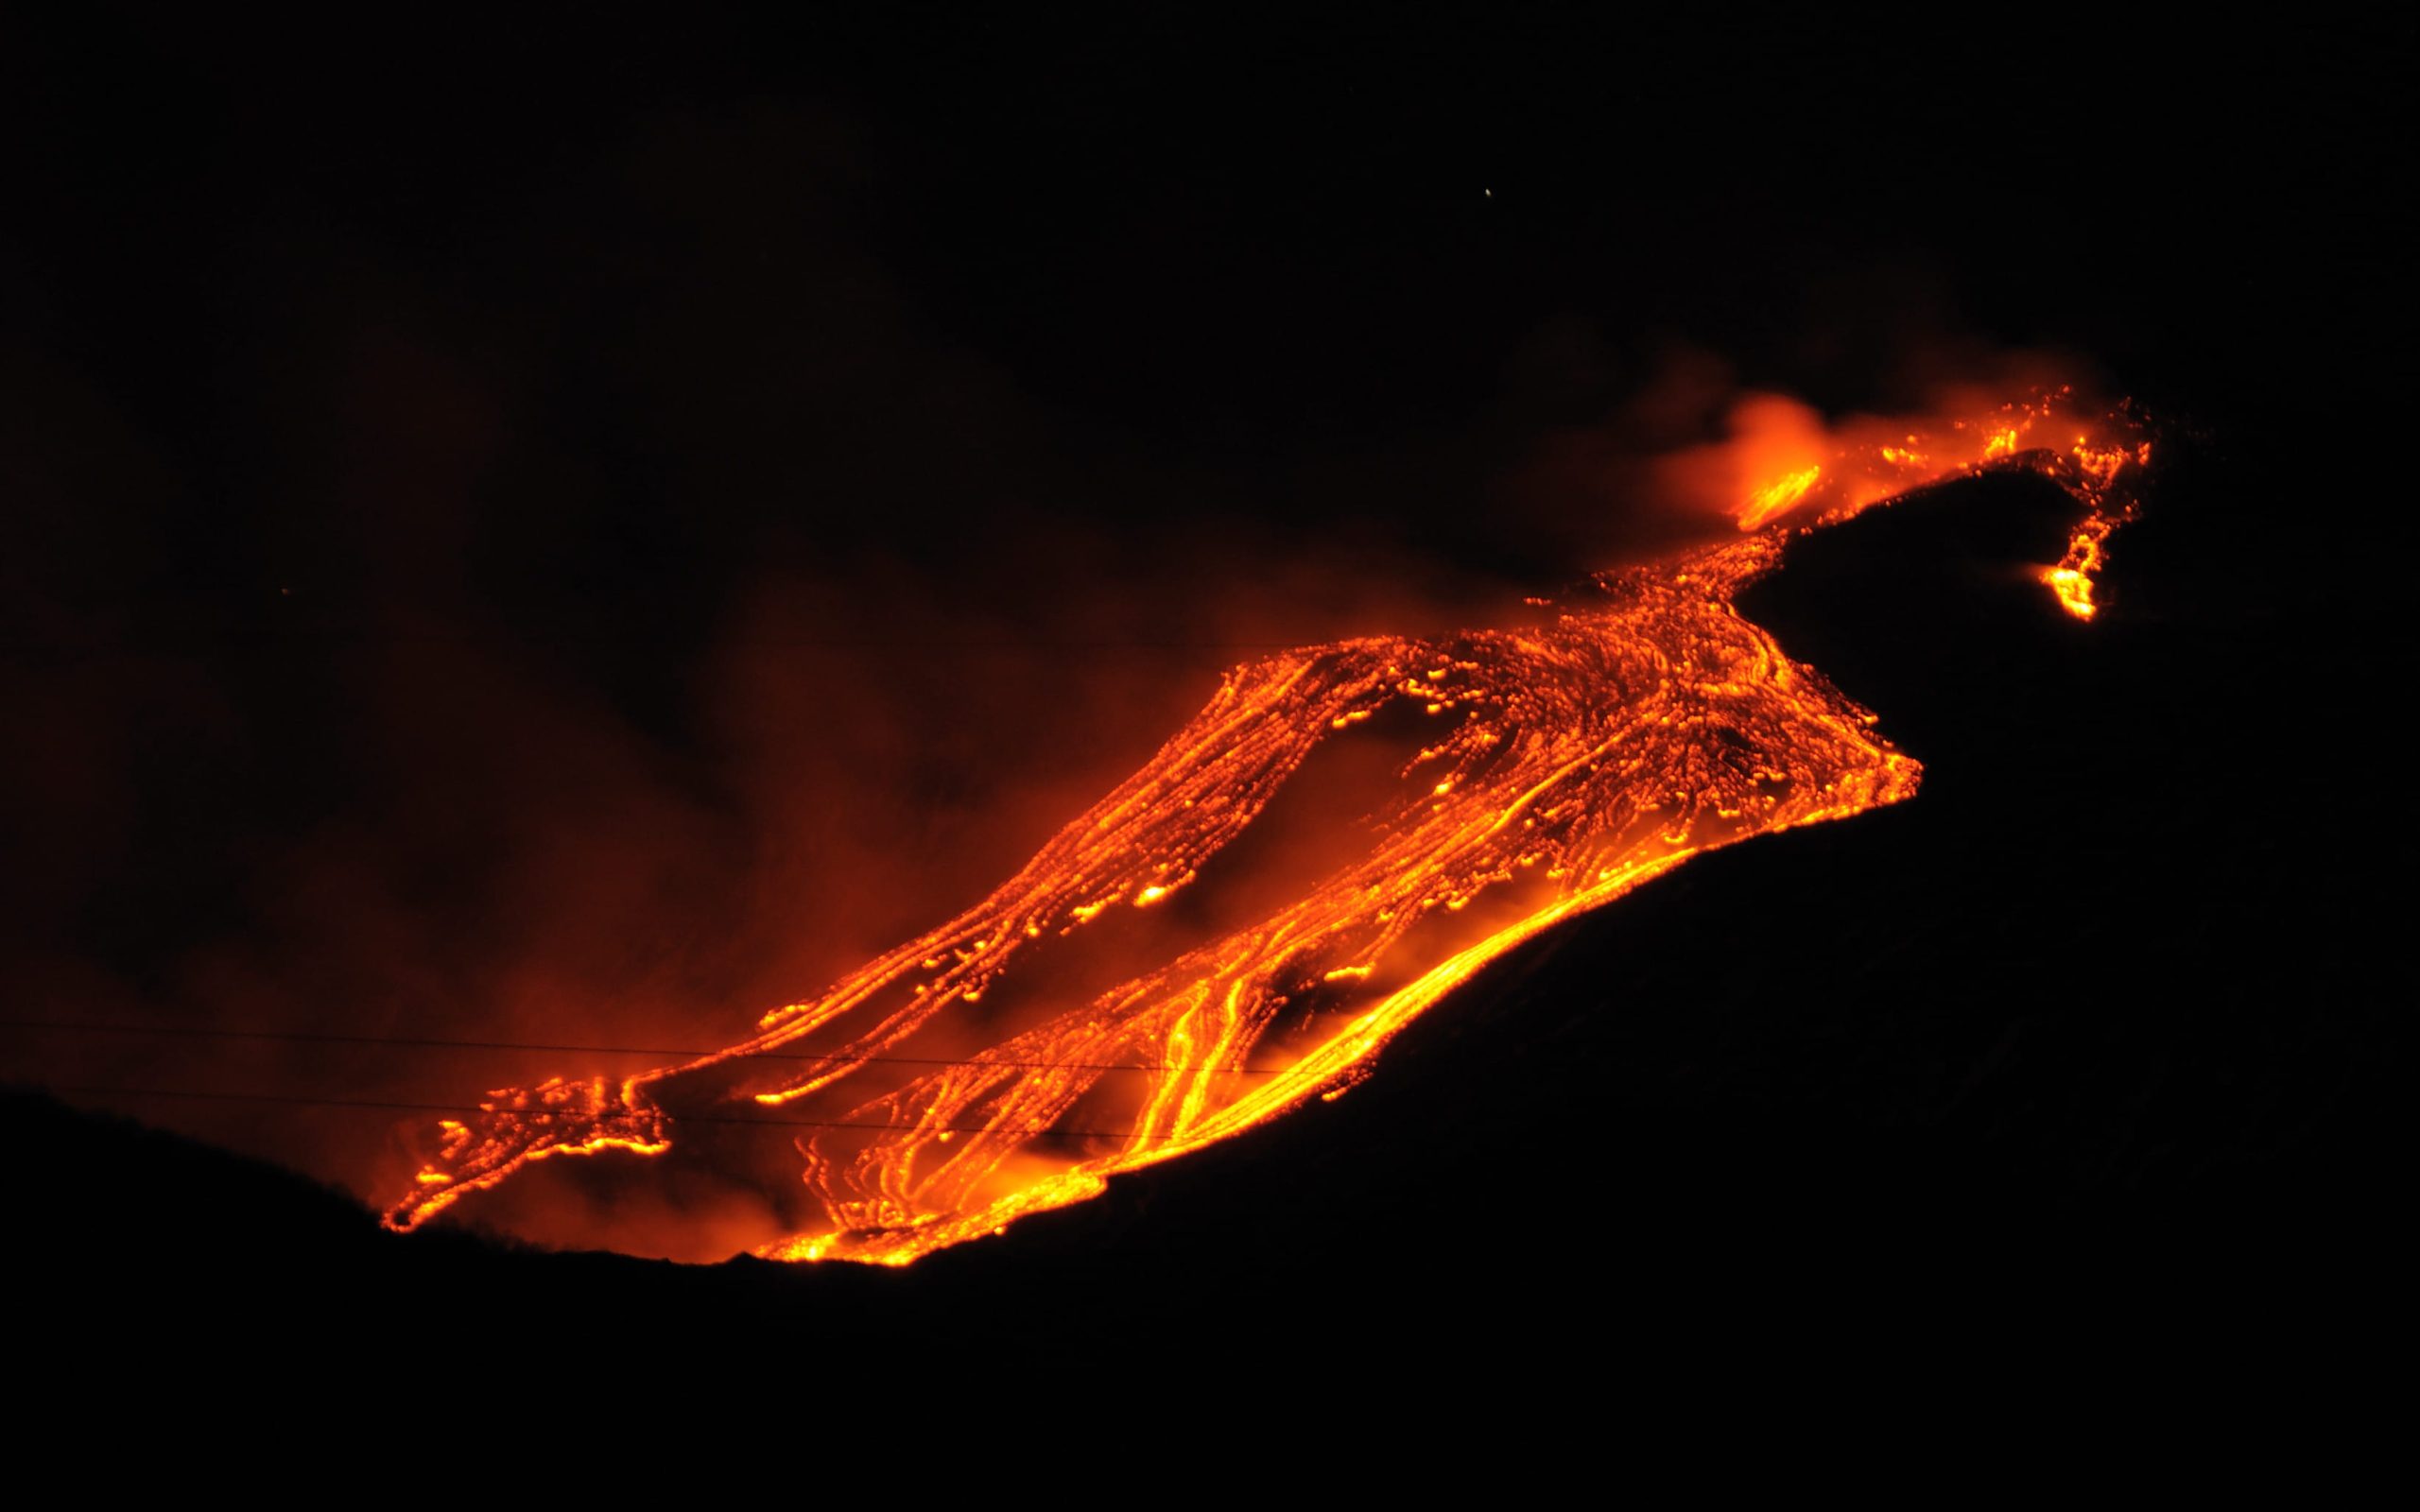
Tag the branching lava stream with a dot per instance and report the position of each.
(1568, 762)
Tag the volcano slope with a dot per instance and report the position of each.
(2048, 1041)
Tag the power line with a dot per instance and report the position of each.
(310, 1037)
(384, 1106)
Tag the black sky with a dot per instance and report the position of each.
(480, 497)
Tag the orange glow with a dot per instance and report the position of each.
(1779, 497)
(1782, 461)
(2098, 468)
(1562, 766)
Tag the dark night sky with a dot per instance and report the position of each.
(479, 500)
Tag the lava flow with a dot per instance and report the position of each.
(1560, 766)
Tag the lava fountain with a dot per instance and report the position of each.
(1558, 765)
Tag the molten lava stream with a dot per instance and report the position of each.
(956, 1083)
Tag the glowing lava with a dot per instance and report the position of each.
(1565, 765)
